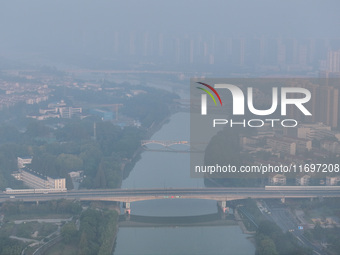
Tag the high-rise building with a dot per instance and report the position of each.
(132, 46)
(333, 61)
(328, 105)
(323, 105)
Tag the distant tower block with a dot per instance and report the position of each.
(94, 131)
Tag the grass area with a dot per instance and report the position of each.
(318, 209)
(62, 249)
(31, 250)
(320, 212)
(35, 216)
(31, 230)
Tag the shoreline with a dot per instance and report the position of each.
(128, 166)
(241, 224)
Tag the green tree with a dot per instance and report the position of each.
(266, 247)
(69, 162)
(36, 128)
(83, 245)
(69, 233)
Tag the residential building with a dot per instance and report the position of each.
(331, 146)
(289, 145)
(303, 180)
(70, 112)
(23, 161)
(332, 181)
(36, 180)
(316, 131)
(277, 179)
(282, 145)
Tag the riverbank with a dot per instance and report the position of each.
(111, 234)
(174, 218)
(128, 165)
(241, 224)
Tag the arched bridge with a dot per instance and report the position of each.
(170, 145)
(164, 143)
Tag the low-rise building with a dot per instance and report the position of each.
(303, 180)
(277, 179)
(282, 145)
(70, 112)
(37, 180)
(332, 180)
(76, 176)
(24, 161)
(316, 131)
(331, 146)
(289, 145)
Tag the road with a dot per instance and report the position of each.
(282, 216)
(131, 195)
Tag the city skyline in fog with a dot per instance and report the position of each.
(176, 32)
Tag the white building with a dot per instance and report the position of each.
(69, 112)
(76, 176)
(313, 131)
(282, 145)
(331, 146)
(289, 145)
(23, 161)
(36, 180)
(332, 181)
(303, 180)
(278, 179)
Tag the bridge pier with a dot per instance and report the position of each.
(127, 209)
(223, 206)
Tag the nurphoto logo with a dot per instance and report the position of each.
(238, 104)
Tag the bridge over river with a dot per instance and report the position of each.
(222, 195)
(172, 146)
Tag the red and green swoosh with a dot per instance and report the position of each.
(209, 93)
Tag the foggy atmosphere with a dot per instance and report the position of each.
(169, 127)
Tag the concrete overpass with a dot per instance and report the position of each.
(222, 195)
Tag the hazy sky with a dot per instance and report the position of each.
(61, 26)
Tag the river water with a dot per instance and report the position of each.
(170, 170)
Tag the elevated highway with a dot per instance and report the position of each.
(218, 194)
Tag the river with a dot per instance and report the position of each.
(170, 170)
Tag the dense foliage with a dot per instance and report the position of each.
(61, 146)
(270, 240)
(9, 246)
(96, 233)
(52, 207)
